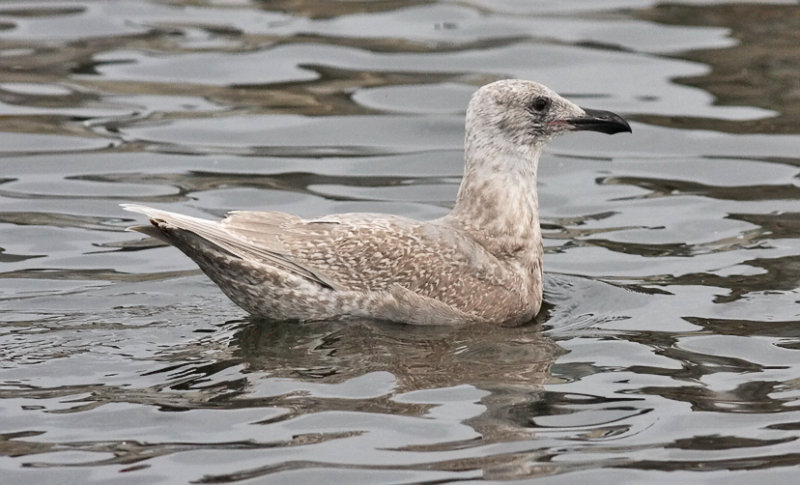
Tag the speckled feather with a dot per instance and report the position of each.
(482, 263)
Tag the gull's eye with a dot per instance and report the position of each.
(540, 104)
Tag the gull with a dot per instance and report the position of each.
(479, 264)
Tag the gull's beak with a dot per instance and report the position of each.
(599, 120)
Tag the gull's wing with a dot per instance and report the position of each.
(364, 252)
(373, 252)
(254, 242)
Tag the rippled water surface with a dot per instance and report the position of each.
(667, 349)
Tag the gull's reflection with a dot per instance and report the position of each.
(509, 365)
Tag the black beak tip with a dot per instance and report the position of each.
(602, 121)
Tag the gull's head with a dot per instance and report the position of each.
(519, 114)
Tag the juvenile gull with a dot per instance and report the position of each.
(481, 263)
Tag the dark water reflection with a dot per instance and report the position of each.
(671, 325)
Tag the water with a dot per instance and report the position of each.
(666, 350)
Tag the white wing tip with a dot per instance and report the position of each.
(141, 209)
(149, 211)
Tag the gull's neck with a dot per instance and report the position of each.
(497, 201)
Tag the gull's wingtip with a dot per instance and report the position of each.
(141, 209)
(150, 212)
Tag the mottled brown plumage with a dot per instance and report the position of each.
(482, 263)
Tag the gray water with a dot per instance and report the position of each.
(666, 351)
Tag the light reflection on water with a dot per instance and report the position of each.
(671, 320)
